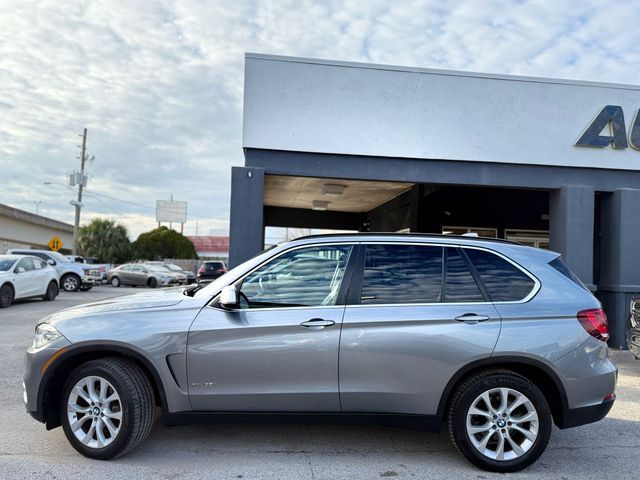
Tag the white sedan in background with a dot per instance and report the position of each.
(24, 276)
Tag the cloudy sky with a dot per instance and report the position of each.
(158, 84)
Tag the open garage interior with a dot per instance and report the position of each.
(374, 206)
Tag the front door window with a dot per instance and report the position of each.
(305, 277)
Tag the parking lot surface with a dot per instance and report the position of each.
(608, 449)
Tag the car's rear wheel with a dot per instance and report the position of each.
(499, 421)
(6, 296)
(115, 282)
(52, 292)
(152, 282)
(107, 408)
(70, 282)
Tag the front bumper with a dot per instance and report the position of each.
(36, 375)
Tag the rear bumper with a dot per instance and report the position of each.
(574, 417)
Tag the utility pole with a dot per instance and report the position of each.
(78, 203)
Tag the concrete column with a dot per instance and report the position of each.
(571, 224)
(620, 258)
(246, 223)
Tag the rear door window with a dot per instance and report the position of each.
(397, 274)
(503, 281)
(460, 284)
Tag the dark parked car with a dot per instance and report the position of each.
(634, 327)
(210, 271)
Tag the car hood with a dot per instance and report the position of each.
(147, 300)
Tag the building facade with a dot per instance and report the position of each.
(550, 163)
(21, 229)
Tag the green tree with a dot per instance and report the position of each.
(162, 243)
(106, 240)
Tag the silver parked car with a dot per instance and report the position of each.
(495, 340)
(190, 277)
(141, 274)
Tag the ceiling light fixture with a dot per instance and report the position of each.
(333, 189)
(320, 205)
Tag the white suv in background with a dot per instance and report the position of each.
(72, 276)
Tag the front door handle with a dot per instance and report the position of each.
(472, 318)
(317, 323)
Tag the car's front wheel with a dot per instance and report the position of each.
(499, 421)
(70, 282)
(107, 408)
(115, 282)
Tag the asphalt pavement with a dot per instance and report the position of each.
(607, 449)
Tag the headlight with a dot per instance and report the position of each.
(45, 333)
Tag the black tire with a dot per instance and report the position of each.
(52, 291)
(462, 400)
(115, 282)
(70, 282)
(6, 295)
(137, 405)
(152, 283)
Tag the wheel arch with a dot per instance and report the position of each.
(54, 377)
(536, 371)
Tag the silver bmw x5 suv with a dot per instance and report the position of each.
(494, 340)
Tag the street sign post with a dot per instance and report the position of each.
(55, 243)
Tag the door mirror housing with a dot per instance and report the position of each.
(20, 270)
(229, 297)
(51, 261)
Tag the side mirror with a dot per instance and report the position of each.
(20, 270)
(51, 261)
(229, 297)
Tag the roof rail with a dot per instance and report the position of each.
(411, 234)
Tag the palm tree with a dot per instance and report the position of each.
(106, 240)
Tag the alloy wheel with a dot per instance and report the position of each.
(94, 412)
(502, 424)
(70, 283)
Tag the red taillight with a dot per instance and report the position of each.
(201, 270)
(594, 321)
(221, 270)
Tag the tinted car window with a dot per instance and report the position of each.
(306, 277)
(460, 284)
(560, 266)
(504, 281)
(402, 274)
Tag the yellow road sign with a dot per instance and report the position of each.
(55, 243)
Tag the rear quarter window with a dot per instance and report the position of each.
(561, 267)
(503, 281)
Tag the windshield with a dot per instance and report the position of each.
(173, 267)
(58, 257)
(155, 268)
(214, 287)
(6, 264)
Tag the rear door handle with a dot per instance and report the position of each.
(472, 318)
(317, 323)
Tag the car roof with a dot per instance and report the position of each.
(16, 256)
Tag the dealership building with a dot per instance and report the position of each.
(350, 146)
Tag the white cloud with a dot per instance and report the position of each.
(159, 84)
